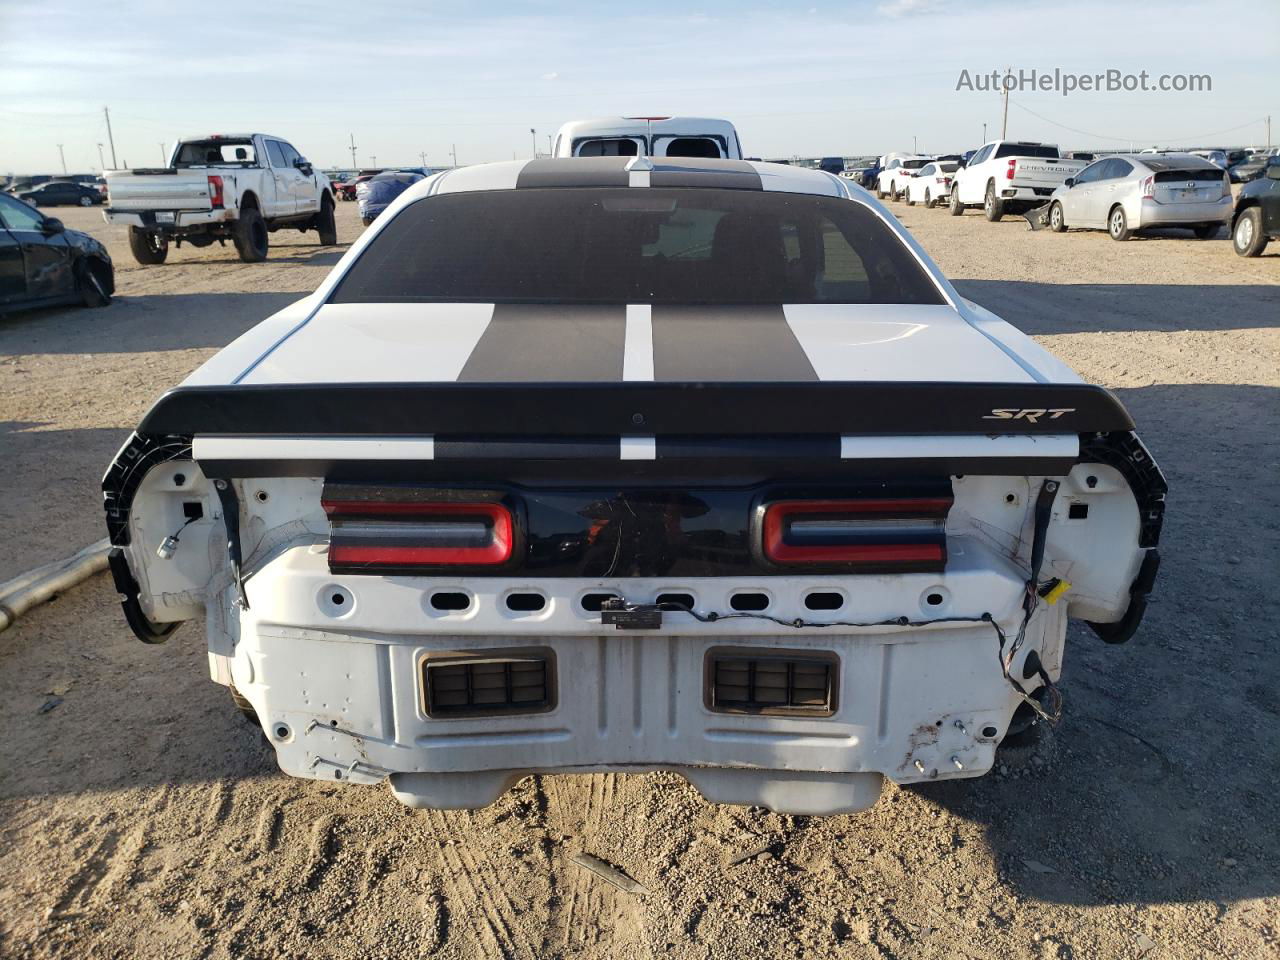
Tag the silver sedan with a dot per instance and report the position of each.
(1128, 192)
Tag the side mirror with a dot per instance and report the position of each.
(1069, 182)
(52, 226)
(304, 165)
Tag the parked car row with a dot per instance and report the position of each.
(1119, 193)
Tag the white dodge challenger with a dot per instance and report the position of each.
(636, 464)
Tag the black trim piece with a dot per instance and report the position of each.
(1129, 455)
(556, 344)
(750, 448)
(1139, 591)
(128, 588)
(704, 172)
(576, 409)
(527, 448)
(120, 483)
(707, 467)
(727, 344)
(231, 522)
(575, 172)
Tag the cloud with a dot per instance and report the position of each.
(904, 8)
(551, 76)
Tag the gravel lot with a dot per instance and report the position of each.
(141, 817)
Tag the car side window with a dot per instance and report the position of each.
(16, 215)
(980, 156)
(893, 164)
(290, 155)
(1120, 168)
(928, 170)
(1090, 173)
(276, 152)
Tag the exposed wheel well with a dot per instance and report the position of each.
(1241, 207)
(249, 200)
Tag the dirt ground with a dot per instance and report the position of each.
(141, 817)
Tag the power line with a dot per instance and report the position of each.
(1131, 138)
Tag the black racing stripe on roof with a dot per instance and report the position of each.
(699, 172)
(575, 172)
(737, 344)
(549, 344)
(527, 448)
(817, 447)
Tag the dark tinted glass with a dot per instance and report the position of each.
(1026, 150)
(666, 246)
(1187, 176)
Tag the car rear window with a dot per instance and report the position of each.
(1181, 176)
(1041, 150)
(661, 246)
(915, 164)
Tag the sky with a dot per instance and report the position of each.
(798, 79)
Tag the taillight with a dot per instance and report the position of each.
(215, 192)
(1226, 185)
(415, 535)
(1013, 164)
(941, 179)
(1148, 188)
(869, 534)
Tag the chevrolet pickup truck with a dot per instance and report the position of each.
(1010, 176)
(240, 187)
(634, 464)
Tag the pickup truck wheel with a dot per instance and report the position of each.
(955, 206)
(992, 206)
(147, 247)
(1057, 223)
(91, 285)
(325, 225)
(251, 236)
(86, 201)
(1247, 237)
(1206, 231)
(1118, 224)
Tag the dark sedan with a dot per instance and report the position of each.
(42, 263)
(1257, 214)
(57, 193)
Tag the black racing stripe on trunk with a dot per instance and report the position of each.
(709, 174)
(575, 172)
(530, 343)
(742, 344)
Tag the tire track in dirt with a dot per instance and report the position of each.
(323, 850)
(467, 885)
(270, 824)
(82, 884)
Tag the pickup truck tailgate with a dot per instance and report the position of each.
(1042, 172)
(158, 191)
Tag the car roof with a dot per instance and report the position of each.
(637, 126)
(695, 172)
(1164, 161)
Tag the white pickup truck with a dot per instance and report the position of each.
(239, 187)
(1010, 176)
(649, 137)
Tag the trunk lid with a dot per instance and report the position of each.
(1189, 186)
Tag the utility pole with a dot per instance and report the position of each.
(453, 150)
(984, 133)
(64, 160)
(353, 149)
(102, 164)
(914, 147)
(422, 155)
(111, 140)
(549, 148)
(163, 158)
(535, 142)
(1268, 131)
(1004, 123)
(374, 158)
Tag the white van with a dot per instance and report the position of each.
(648, 136)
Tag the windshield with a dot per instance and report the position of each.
(204, 153)
(661, 246)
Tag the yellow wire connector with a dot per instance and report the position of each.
(1054, 595)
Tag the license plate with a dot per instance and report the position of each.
(164, 218)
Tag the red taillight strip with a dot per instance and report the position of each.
(931, 553)
(364, 554)
(215, 192)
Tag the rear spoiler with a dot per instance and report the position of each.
(514, 409)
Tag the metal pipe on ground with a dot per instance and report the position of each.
(45, 582)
